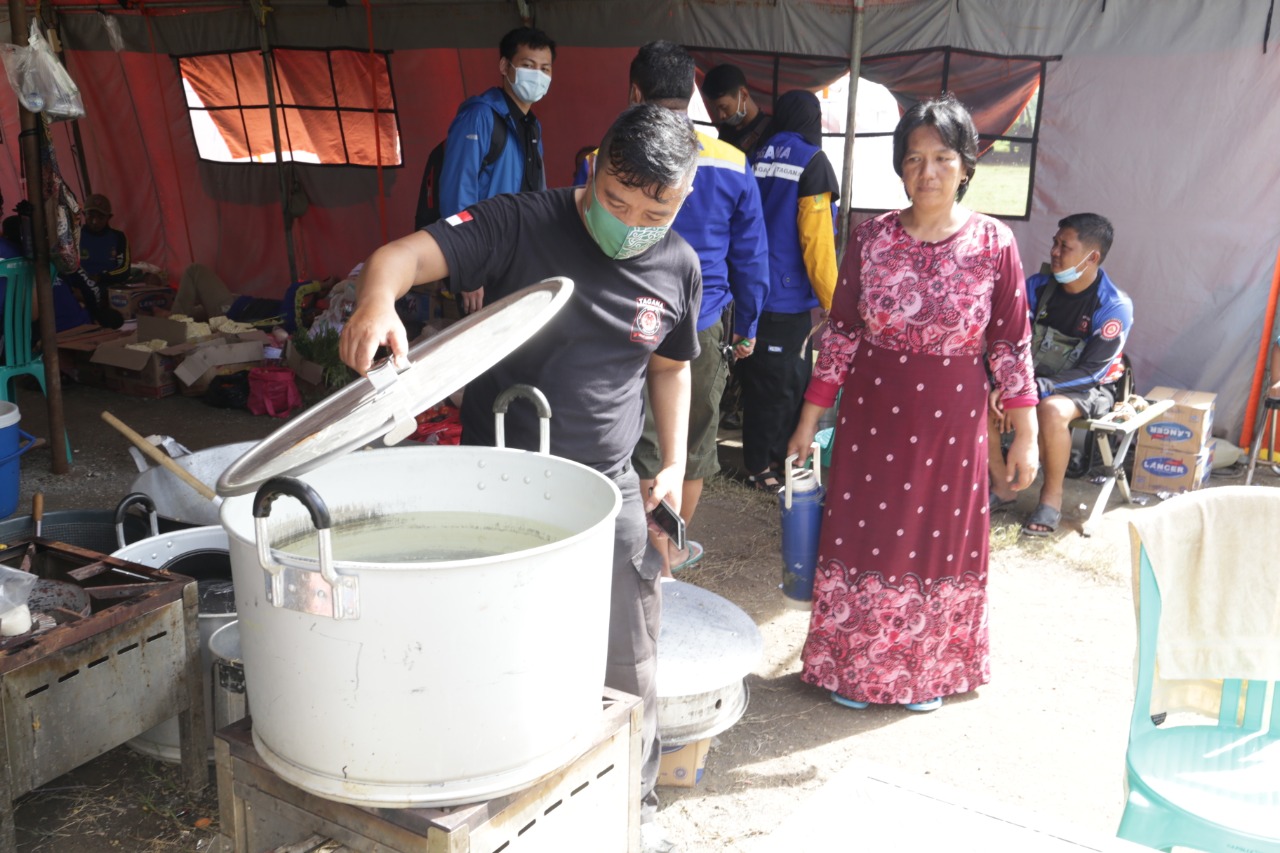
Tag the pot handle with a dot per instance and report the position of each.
(540, 403)
(295, 592)
(139, 499)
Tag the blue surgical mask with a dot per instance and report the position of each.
(530, 84)
(1071, 274)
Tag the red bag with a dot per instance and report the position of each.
(272, 391)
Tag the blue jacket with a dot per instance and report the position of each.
(463, 180)
(723, 221)
(1100, 358)
(778, 166)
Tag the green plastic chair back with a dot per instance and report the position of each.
(19, 360)
(1203, 786)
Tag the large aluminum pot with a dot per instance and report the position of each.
(199, 553)
(460, 670)
(179, 505)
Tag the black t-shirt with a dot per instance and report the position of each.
(819, 177)
(528, 125)
(1069, 313)
(591, 359)
(747, 136)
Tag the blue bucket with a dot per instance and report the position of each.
(12, 446)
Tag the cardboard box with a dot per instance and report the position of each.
(75, 351)
(1186, 428)
(306, 371)
(137, 373)
(201, 363)
(173, 331)
(682, 766)
(134, 299)
(1156, 469)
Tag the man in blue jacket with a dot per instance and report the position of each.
(798, 189)
(723, 222)
(1080, 321)
(472, 170)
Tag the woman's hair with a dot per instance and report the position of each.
(650, 148)
(954, 124)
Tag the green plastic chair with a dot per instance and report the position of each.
(19, 360)
(1211, 786)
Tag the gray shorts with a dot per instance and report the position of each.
(708, 374)
(1093, 402)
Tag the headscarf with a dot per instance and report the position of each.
(799, 112)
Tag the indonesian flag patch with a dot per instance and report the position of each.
(648, 322)
(459, 218)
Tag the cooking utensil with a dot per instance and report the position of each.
(176, 504)
(158, 457)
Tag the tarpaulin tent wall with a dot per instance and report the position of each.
(1157, 113)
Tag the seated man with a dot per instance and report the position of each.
(1079, 324)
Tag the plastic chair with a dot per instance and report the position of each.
(1212, 786)
(19, 360)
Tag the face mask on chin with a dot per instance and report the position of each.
(738, 117)
(1071, 274)
(615, 238)
(530, 84)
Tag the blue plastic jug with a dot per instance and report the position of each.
(801, 501)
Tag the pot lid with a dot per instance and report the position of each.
(383, 403)
(706, 643)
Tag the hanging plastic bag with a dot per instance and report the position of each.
(40, 81)
(272, 391)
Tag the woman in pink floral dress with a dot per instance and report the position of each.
(925, 296)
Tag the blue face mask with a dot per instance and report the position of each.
(1071, 274)
(530, 84)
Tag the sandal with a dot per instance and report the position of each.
(924, 707)
(849, 703)
(1043, 516)
(696, 551)
(995, 503)
(766, 481)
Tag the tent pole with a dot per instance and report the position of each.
(855, 70)
(30, 142)
(260, 12)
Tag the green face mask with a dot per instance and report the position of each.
(614, 237)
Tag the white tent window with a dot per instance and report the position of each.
(1002, 93)
(333, 107)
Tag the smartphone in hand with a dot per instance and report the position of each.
(665, 519)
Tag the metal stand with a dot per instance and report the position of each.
(1270, 409)
(1113, 465)
(592, 803)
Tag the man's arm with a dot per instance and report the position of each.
(388, 275)
(818, 245)
(669, 384)
(748, 260)
(464, 152)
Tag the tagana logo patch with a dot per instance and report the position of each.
(648, 321)
(1169, 431)
(1163, 466)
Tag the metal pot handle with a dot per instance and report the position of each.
(295, 588)
(140, 499)
(540, 403)
(816, 456)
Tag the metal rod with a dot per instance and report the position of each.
(30, 142)
(855, 70)
(260, 12)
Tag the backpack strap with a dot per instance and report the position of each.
(497, 139)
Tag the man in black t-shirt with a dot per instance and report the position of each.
(630, 323)
(1080, 321)
(738, 120)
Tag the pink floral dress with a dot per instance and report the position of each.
(900, 599)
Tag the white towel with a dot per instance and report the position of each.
(1216, 559)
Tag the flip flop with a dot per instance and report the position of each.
(849, 703)
(1045, 516)
(995, 503)
(695, 556)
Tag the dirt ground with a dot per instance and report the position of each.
(1046, 735)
